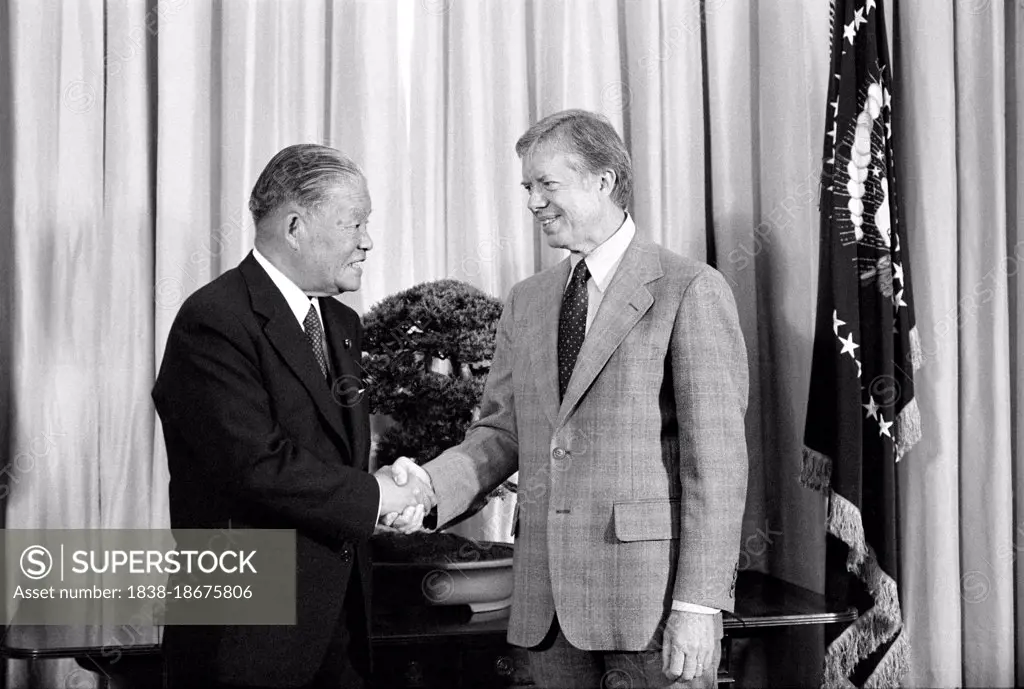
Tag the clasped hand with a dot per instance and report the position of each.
(406, 495)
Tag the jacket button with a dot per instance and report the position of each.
(558, 453)
(346, 554)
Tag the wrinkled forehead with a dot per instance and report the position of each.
(350, 196)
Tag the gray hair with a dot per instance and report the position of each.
(304, 174)
(590, 138)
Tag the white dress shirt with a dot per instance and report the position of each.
(299, 303)
(602, 263)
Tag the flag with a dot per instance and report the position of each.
(861, 413)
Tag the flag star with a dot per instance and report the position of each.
(850, 32)
(870, 5)
(858, 18)
(859, 369)
(897, 271)
(832, 132)
(848, 346)
(888, 130)
(899, 299)
(871, 408)
(887, 97)
(835, 107)
(836, 322)
(883, 426)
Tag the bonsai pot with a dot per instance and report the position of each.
(441, 569)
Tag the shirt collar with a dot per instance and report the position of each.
(297, 300)
(605, 259)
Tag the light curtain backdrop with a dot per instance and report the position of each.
(961, 91)
(132, 132)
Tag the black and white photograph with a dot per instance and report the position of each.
(511, 344)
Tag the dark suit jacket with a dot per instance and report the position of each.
(256, 438)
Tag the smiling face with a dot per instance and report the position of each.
(334, 240)
(569, 202)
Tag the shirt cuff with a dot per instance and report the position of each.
(693, 607)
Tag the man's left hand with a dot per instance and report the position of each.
(688, 645)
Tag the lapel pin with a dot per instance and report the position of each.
(347, 343)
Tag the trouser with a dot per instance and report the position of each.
(557, 664)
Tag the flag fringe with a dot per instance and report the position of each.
(916, 352)
(878, 624)
(908, 428)
(816, 471)
(844, 523)
(893, 665)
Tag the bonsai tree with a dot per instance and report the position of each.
(427, 352)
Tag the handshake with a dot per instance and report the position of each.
(406, 495)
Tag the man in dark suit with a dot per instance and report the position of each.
(265, 426)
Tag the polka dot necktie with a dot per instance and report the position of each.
(315, 337)
(572, 325)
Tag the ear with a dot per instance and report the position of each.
(608, 180)
(295, 229)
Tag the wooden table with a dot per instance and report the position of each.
(417, 646)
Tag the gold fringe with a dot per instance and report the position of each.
(916, 353)
(877, 625)
(893, 666)
(816, 471)
(844, 523)
(908, 428)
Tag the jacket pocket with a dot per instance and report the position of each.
(646, 520)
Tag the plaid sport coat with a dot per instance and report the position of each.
(632, 488)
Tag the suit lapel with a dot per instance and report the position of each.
(542, 335)
(285, 334)
(625, 302)
(349, 388)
